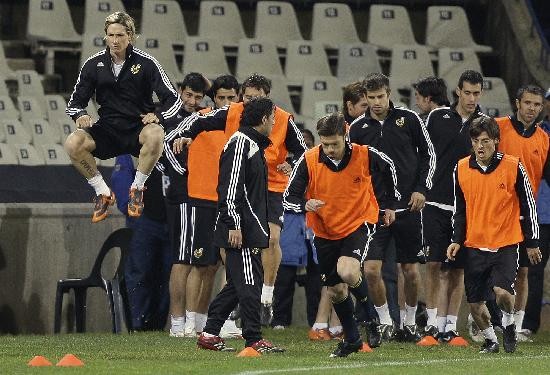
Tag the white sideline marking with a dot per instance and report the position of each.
(390, 363)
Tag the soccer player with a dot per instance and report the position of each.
(520, 136)
(400, 134)
(285, 138)
(492, 192)
(332, 184)
(448, 131)
(123, 79)
(354, 100)
(242, 227)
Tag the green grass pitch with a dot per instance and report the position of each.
(156, 353)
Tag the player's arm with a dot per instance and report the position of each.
(231, 182)
(528, 211)
(170, 101)
(83, 90)
(294, 140)
(382, 164)
(426, 154)
(294, 195)
(459, 213)
(546, 168)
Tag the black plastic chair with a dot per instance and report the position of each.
(114, 288)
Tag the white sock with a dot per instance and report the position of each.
(489, 333)
(139, 180)
(206, 334)
(432, 317)
(402, 314)
(99, 185)
(267, 294)
(507, 318)
(410, 315)
(383, 314)
(318, 326)
(177, 323)
(190, 318)
(200, 322)
(518, 317)
(441, 323)
(336, 330)
(451, 323)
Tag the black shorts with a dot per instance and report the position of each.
(486, 269)
(179, 226)
(407, 233)
(111, 142)
(275, 208)
(354, 245)
(203, 221)
(438, 229)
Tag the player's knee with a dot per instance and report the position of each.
(373, 272)
(501, 294)
(74, 144)
(153, 135)
(410, 272)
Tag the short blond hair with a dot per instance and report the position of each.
(125, 20)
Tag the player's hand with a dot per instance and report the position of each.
(417, 201)
(452, 250)
(149, 118)
(180, 143)
(285, 168)
(534, 255)
(314, 204)
(389, 217)
(235, 239)
(84, 121)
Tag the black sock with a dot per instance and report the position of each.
(360, 292)
(344, 310)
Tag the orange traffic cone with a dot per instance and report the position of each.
(39, 361)
(365, 349)
(70, 360)
(427, 341)
(249, 352)
(458, 341)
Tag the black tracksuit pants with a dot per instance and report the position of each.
(244, 273)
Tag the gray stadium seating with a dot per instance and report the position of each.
(96, 11)
(316, 89)
(204, 55)
(355, 61)
(276, 21)
(7, 155)
(221, 20)
(389, 25)
(257, 56)
(50, 20)
(163, 12)
(28, 155)
(333, 25)
(305, 58)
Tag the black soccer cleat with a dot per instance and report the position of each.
(387, 331)
(489, 347)
(510, 338)
(430, 331)
(411, 334)
(345, 348)
(374, 336)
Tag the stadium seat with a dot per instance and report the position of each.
(96, 11)
(55, 106)
(54, 154)
(257, 56)
(161, 49)
(409, 63)
(64, 128)
(41, 132)
(355, 61)
(7, 155)
(333, 25)
(316, 89)
(305, 58)
(276, 21)
(91, 44)
(497, 109)
(7, 109)
(14, 132)
(163, 12)
(29, 83)
(3, 88)
(114, 287)
(29, 108)
(5, 70)
(494, 93)
(27, 155)
(454, 61)
(325, 107)
(279, 92)
(204, 55)
(447, 26)
(221, 20)
(50, 20)
(389, 25)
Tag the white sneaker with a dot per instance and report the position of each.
(473, 330)
(189, 329)
(279, 328)
(230, 330)
(177, 333)
(524, 335)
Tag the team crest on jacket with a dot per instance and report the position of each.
(135, 68)
(198, 252)
(255, 250)
(400, 122)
